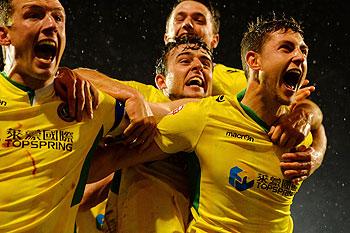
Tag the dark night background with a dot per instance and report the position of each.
(123, 39)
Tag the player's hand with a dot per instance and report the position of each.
(291, 129)
(304, 92)
(300, 163)
(142, 127)
(80, 95)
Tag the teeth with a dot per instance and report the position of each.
(195, 81)
(47, 42)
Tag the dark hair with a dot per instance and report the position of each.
(254, 38)
(215, 15)
(5, 11)
(191, 42)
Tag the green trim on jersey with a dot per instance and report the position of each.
(251, 113)
(115, 186)
(194, 172)
(119, 112)
(79, 190)
(31, 92)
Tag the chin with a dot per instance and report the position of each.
(45, 73)
(195, 95)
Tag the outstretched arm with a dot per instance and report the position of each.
(142, 123)
(108, 159)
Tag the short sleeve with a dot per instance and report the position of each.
(181, 130)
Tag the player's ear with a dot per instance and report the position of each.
(215, 41)
(165, 38)
(160, 81)
(4, 36)
(252, 60)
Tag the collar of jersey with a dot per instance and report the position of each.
(251, 113)
(31, 92)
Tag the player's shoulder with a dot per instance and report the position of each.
(211, 103)
(149, 92)
(227, 71)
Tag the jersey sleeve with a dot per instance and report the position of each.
(307, 141)
(181, 130)
(111, 113)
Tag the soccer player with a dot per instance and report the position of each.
(241, 187)
(44, 153)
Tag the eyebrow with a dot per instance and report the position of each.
(33, 6)
(182, 13)
(190, 53)
(303, 45)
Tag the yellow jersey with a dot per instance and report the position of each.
(44, 157)
(240, 186)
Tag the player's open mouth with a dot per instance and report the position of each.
(292, 78)
(45, 50)
(195, 81)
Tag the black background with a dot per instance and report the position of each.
(123, 39)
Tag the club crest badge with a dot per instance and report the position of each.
(176, 110)
(63, 113)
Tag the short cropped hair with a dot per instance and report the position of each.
(215, 15)
(258, 31)
(191, 42)
(5, 12)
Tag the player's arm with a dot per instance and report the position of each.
(95, 193)
(121, 91)
(142, 123)
(179, 131)
(108, 159)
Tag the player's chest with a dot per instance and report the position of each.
(42, 134)
(236, 161)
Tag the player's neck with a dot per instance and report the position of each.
(28, 80)
(262, 104)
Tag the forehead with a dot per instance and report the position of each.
(191, 7)
(50, 4)
(188, 50)
(290, 36)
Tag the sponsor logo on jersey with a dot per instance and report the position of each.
(276, 185)
(237, 181)
(240, 181)
(38, 139)
(63, 113)
(240, 136)
(176, 110)
(220, 99)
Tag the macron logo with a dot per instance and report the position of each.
(239, 136)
